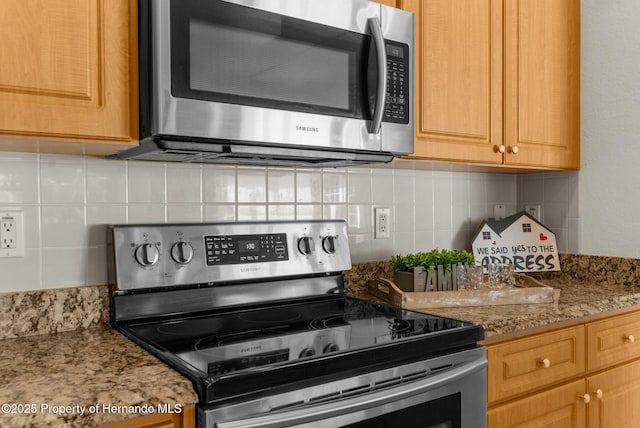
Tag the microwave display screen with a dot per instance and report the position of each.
(396, 51)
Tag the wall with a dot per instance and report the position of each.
(67, 201)
(610, 131)
(557, 193)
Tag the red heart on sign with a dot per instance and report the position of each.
(543, 237)
(493, 243)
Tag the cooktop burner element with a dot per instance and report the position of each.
(251, 326)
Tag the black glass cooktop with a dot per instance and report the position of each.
(299, 340)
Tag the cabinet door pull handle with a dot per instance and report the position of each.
(629, 338)
(502, 148)
(599, 393)
(545, 363)
(515, 150)
(586, 398)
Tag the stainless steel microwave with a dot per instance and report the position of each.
(285, 82)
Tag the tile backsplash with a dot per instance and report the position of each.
(68, 200)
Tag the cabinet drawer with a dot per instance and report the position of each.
(613, 340)
(521, 365)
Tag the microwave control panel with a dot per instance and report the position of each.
(396, 108)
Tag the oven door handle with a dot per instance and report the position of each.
(306, 414)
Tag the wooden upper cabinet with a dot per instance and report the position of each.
(542, 83)
(458, 79)
(69, 69)
(392, 3)
(497, 82)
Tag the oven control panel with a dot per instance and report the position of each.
(231, 249)
(163, 255)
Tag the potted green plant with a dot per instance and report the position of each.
(429, 271)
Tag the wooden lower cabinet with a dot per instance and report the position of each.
(558, 407)
(619, 402)
(613, 402)
(597, 385)
(186, 419)
(527, 364)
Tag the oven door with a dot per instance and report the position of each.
(452, 395)
(299, 72)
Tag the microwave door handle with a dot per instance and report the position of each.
(378, 40)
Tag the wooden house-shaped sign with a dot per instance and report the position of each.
(518, 239)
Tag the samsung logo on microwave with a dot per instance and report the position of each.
(307, 128)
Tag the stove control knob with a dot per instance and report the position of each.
(147, 254)
(329, 244)
(305, 245)
(307, 352)
(182, 252)
(332, 347)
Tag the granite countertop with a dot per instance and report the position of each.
(61, 365)
(48, 380)
(589, 286)
(577, 300)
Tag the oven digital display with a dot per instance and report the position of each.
(248, 246)
(238, 249)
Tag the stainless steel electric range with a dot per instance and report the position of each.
(256, 315)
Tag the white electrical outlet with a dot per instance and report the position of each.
(11, 234)
(382, 217)
(534, 211)
(499, 211)
(8, 240)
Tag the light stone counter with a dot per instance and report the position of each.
(57, 349)
(578, 300)
(589, 286)
(83, 368)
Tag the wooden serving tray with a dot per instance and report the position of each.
(528, 290)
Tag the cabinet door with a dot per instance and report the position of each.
(617, 405)
(542, 83)
(66, 68)
(458, 79)
(558, 407)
